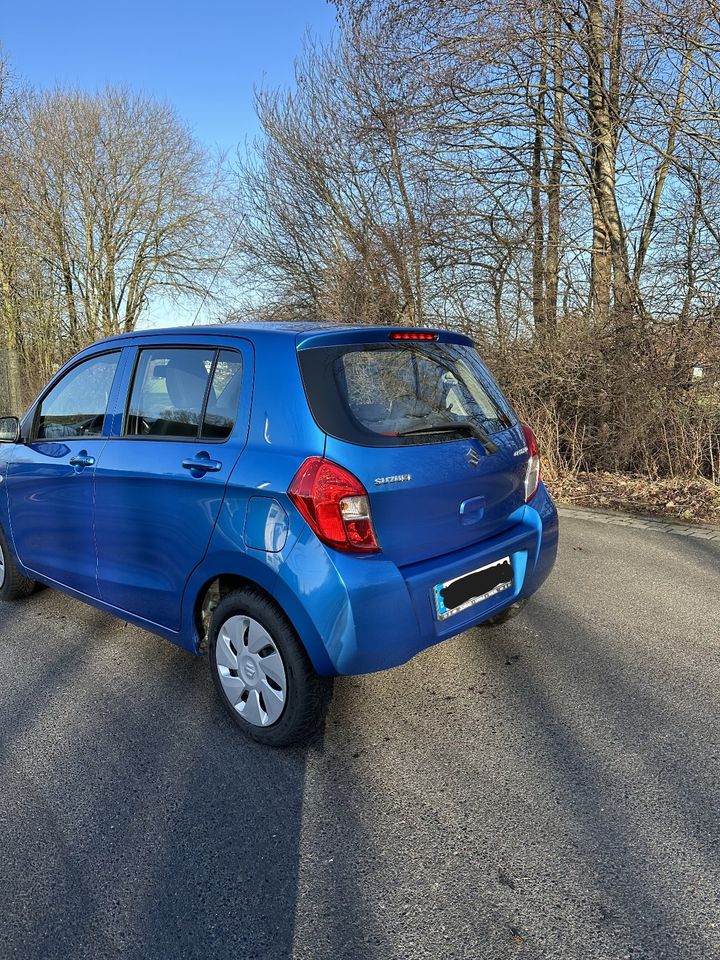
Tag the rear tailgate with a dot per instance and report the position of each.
(426, 430)
(435, 498)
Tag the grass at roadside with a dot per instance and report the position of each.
(692, 500)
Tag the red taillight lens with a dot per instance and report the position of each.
(335, 504)
(413, 335)
(532, 473)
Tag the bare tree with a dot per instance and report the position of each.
(534, 172)
(332, 220)
(119, 199)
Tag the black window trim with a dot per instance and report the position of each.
(57, 380)
(365, 437)
(198, 438)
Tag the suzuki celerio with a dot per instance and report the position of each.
(298, 501)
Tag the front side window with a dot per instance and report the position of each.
(185, 393)
(76, 406)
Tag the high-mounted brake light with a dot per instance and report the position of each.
(532, 471)
(413, 335)
(335, 504)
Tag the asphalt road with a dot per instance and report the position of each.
(547, 789)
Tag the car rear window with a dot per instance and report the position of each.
(391, 394)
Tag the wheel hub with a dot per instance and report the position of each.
(251, 670)
(248, 670)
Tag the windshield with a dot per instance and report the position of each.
(389, 394)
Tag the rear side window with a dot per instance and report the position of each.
(76, 406)
(184, 393)
(224, 396)
(398, 393)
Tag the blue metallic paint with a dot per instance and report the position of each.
(420, 519)
(472, 510)
(153, 517)
(266, 525)
(381, 615)
(51, 523)
(163, 535)
(52, 510)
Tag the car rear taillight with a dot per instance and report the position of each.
(335, 504)
(412, 335)
(532, 471)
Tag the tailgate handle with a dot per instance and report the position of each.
(472, 510)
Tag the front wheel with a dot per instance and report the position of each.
(13, 584)
(261, 671)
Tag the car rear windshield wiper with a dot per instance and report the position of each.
(471, 429)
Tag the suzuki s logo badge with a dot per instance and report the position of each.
(473, 457)
(398, 478)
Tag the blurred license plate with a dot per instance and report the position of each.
(471, 588)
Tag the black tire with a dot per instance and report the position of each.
(504, 615)
(15, 585)
(307, 694)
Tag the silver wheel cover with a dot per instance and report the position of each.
(251, 670)
(2, 567)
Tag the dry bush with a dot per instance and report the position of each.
(641, 413)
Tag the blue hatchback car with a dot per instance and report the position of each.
(298, 501)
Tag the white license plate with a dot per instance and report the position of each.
(455, 595)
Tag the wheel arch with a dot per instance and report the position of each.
(209, 583)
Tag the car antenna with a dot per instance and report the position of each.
(218, 268)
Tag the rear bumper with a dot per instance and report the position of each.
(366, 614)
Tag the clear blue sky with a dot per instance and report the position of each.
(204, 57)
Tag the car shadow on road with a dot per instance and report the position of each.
(138, 821)
(33, 835)
(630, 792)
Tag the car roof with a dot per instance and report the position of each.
(298, 330)
(289, 328)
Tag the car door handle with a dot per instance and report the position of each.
(202, 464)
(82, 460)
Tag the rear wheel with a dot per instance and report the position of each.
(13, 584)
(261, 671)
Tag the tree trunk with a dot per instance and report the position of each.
(10, 393)
(538, 252)
(600, 267)
(552, 266)
(604, 110)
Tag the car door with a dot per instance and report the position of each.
(160, 483)
(50, 477)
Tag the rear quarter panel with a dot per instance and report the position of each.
(282, 434)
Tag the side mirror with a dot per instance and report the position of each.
(9, 429)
